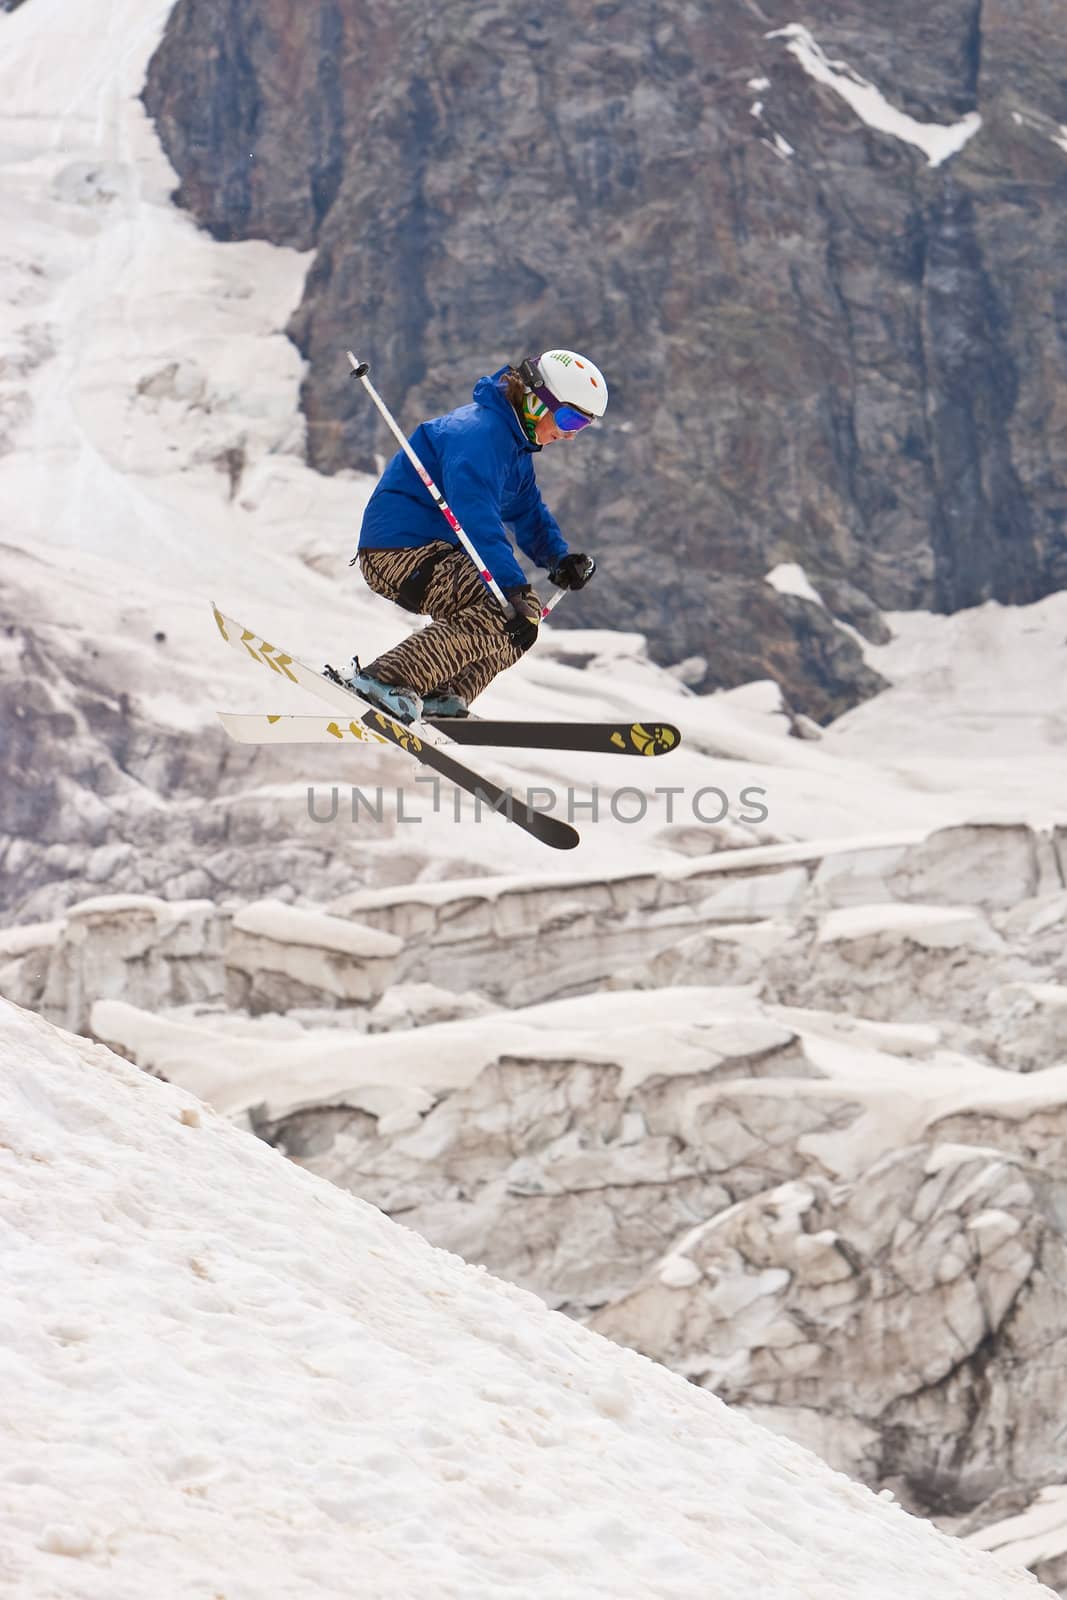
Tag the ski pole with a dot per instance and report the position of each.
(360, 370)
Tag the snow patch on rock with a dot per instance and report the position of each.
(937, 141)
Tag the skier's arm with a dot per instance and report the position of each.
(472, 487)
(537, 533)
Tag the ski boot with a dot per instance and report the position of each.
(443, 703)
(397, 701)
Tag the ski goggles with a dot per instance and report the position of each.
(568, 418)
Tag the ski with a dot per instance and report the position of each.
(262, 728)
(416, 739)
(604, 738)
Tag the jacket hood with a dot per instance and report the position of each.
(488, 393)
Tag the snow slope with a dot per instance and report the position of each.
(223, 1376)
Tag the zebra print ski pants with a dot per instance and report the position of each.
(466, 644)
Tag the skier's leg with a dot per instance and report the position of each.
(454, 697)
(497, 649)
(470, 681)
(467, 640)
(400, 575)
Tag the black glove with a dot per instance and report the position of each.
(573, 572)
(522, 627)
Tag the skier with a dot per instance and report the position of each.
(482, 456)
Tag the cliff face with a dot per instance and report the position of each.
(821, 346)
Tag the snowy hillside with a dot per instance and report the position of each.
(231, 1378)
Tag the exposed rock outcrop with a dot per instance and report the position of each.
(885, 1322)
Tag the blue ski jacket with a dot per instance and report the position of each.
(482, 462)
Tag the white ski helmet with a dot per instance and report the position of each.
(572, 380)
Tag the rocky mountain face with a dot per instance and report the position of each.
(822, 347)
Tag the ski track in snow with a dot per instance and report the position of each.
(230, 1378)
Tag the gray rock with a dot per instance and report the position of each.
(887, 1320)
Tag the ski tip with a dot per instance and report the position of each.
(560, 835)
(653, 738)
